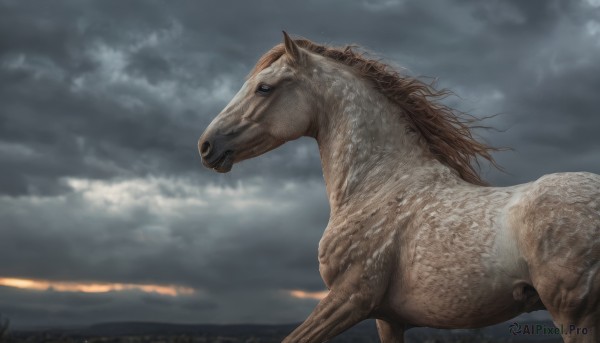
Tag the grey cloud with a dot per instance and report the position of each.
(84, 236)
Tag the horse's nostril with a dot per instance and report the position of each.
(205, 149)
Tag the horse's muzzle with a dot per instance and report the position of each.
(220, 161)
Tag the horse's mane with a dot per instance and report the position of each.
(446, 130)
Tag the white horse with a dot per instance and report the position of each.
(414, 238)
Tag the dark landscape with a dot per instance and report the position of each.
(139, 332)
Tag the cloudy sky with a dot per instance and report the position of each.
(106, 212)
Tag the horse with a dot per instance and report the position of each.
(415, 236)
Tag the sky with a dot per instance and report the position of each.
(106, 212)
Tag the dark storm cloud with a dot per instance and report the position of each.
(120, 233)
(119, 92)
(101, 105)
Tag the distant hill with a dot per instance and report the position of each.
(363, 332)
(145, 328)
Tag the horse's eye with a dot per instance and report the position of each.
(263, 89)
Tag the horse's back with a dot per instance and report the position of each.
(569, 188)
(559, 212)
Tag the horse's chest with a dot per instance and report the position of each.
(337, 253)
(363, 249)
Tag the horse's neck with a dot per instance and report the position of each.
(364, 141)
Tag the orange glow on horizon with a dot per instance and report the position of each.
(66, 286)
(309, 295)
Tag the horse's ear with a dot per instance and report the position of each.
(292, 50)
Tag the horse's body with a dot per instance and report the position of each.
(459, 255)
(414, 239)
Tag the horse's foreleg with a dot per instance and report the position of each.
(572, 296)
(337, 312)
(582, 330)
(390, 332)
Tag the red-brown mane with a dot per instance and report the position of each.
(446, 130)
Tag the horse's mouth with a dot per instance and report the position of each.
(222, 164)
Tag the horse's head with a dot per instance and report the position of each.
(272, 107)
